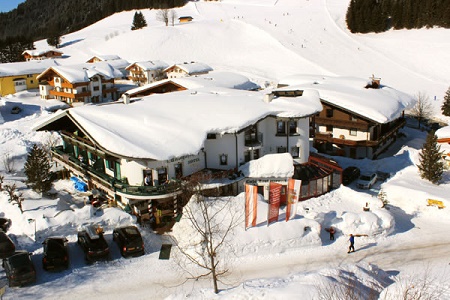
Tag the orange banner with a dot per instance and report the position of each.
(274, 202)
(293, 194)
(251, 205)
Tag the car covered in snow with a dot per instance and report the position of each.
(366, 180)
(93, 243)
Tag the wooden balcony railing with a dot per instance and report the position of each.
(111, 183)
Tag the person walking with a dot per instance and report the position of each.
(332, 231)
(352, 244)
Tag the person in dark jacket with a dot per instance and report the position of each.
(352, 244)
(332, 231)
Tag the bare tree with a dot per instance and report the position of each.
(173, 16)
(213, 219)
(423, 109)
(163, 16)
(13, 197)
(8, 162)
(1, 182)
(50, 142)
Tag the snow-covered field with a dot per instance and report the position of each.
(265, 40)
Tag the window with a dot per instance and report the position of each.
(29, 75)
(162, 175)
(223, 159)
(83, 89)
(329, 128)
(110, 163)
(211, 136)
(31, 81)
(295, 152)
(256, 154)
(281, 127)
(247, 156)
(292, 127)
(281, 149)
(329, 112)
(178, 171)
(148, 178)
(353, 131)
(96, 88)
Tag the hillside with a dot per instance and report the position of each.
(268, 40)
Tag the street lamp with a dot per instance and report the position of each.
(33, 221)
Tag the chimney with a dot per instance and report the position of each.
(375, 82)
(268, 97)
(126, 98)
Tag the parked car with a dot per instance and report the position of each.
(19, 268)
(16, 110)
(5, 224)
(350, 174)
(366, 181)
(7, 247)
(129, 240)
(93, 243)
(56, 253)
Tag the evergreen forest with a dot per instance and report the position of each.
(365, 16)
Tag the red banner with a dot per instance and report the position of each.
(251, 201)
(293, 194)
(274, 202)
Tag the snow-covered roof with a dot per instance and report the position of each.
(150, 65)
(381, 105)
(162, 126)
(443, 133)
(214, 79)
(280, 165)
(39, 52)
(118, 63)
(83, 72)
(106, 57)
(26, 67)
(192, 67)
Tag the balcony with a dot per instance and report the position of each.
(110, 183)
(383, 137)
(253, 140)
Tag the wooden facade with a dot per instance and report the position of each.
(34, 55)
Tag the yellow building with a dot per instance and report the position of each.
(20, 76)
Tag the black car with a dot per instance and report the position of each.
(349, 175)
(5, 224)
(129, 240)
(93, 243)
(19, 268)
(56, 254)
(7, 247)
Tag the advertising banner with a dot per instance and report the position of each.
(274, 202)
(293, 194)
(251, 202)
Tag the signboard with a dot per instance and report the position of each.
(293, 195)
(251, 202)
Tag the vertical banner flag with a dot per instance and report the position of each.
(293, 195)
(274, 202)
(251, 201)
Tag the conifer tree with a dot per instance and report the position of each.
(431, 166)
(37, 169)
(446, 104)
(138, 21)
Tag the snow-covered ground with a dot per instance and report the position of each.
(265, 40)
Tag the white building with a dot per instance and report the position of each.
(187, 69)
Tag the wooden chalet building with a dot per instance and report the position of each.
(146, 72)
(360, 118)
(187, 69)
(80, 84)
(40, 55)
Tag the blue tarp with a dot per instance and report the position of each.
(80, 185)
